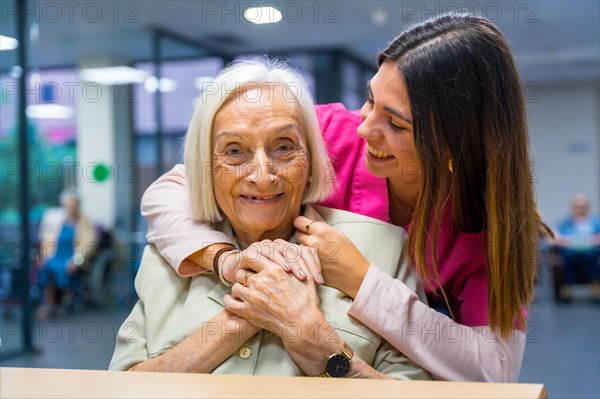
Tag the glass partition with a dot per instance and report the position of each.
(15, 319)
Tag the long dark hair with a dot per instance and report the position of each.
(467, 103)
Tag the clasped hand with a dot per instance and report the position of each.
(266, 294)
(268, 297)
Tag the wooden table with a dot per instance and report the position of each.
(58, 383)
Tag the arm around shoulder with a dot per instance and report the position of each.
(445, 348)
(171, 228)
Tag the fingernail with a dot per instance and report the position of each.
(320, 279)
(286, 266)
(302, 272)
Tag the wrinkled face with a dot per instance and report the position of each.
(260, 161)
(580, 207)
(387, 127)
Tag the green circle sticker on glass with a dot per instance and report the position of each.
(101, 172)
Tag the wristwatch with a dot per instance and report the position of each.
(338, 364)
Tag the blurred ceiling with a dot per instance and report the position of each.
(553, 40)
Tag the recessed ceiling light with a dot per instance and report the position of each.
(8, 43)
(113, 75)
(262, 15)
(379, 17)
(49, 111)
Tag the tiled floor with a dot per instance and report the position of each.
(563, 349)
(563, 345)
(84, 341)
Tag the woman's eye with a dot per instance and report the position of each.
(395, 127)
(370, 101)
(233, 151)
(234, 155)
(284, 147)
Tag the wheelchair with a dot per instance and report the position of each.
(95, 277)
(584, 273)
(98, 275)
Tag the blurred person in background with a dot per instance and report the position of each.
(578, 244)
(67, 241)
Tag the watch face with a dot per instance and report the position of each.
(338, 365)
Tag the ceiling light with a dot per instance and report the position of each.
(379, 17)
(113, 75)
(8, 43)
(49, 111)
(262, 15)
(166, 85)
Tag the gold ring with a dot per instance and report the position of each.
(308, 225)
(246, 279)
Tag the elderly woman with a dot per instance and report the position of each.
(255, 161)
(68, 240)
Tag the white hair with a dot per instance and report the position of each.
(236, 79)
(67, 194)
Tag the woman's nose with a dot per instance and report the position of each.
(367, 129)
(261, 171)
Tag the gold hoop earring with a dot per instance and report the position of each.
(450, 166)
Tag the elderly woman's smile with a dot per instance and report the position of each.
(261, 163)
(261, 199)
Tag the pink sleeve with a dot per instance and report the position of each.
(166, 207)
(356, 189)
(448, 350)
